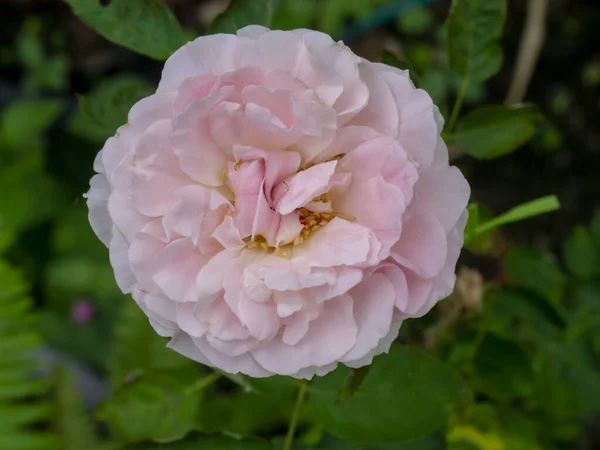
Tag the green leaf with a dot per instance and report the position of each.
(156, 406)
(477, 242)
(29, 197)
(493, 131)
(524, 211)
(25, 120)
(504, 370)
(523, 316)
(580, 254)
(144, 26)
(267, 408)
(293, 14)
(474, 30)
(353, 382)
(536, 270)
(415, 20)
(136, 348)
(333, 14)
(405, 395)
(240, 13)
(196, 441)
(595, 228)
(70, 419)
(107, 106)
(19, 413)
(434, 441)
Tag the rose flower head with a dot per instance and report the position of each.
(280, 205)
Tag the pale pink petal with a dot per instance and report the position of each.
(156, 172)
(374, 300)
(446, 193)
(199, 212)
(97, 202)
(176, 268)
(338, 243)
(304, 186)
(422, 247)
(330, 337)
(199, 156)
(120, 262)
(187, 320)
(212, 54)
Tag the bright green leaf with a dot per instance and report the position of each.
(580, 254)
(405, 395)
(108, 105)
(244, 12)
(477, 242)
(144, 26)
(474, 30)
(524, 211)
(493, 131)
(197, 441)
(25, 120)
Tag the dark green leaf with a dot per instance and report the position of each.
(434, 441)
(136, 348)
(265, 409)
(521, 315)
(353, 382)
(108, 105)
(580, 254)
(503, 369)
(406, 395)
(197, 441)
(474, 30)
(144, 26)
(494, 131)
(29, 196)
(536, 270)
(595, 229)
(157, 406)
(244, 12)
(25, 120)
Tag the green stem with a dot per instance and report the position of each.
(289, 438)
(459, 101)
(203, 383)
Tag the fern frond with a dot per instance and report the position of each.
(20, 409)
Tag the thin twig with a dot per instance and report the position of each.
(532, 41)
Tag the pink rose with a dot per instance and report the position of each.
(280, 205)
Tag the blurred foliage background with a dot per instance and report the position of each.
(522, 329)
